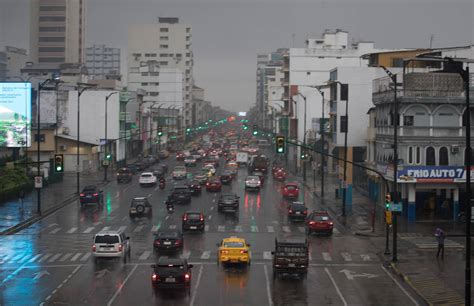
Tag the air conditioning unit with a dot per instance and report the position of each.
(63, 148)
(65, 131)
(454, 149)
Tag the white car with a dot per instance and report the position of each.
(147, 178)
(252, 182)
(210, 168)
(111, 244)
(179, 173)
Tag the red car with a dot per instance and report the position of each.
(214, 185)
(180, 156)
(319, 221)
(290, 190)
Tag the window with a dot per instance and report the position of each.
(188, 54)
(179, 55)
(397, 62)
(430, 157)
(42, 137)
(51, 59)
(164, 46)
(408, 120)
(51, 39)
(52, 18)
(154, 73)
(188, 38)
(52, 29)
(51, 49)
(163, 54)
(136, 54)
(443, 156)
(164, 63)
(144, 84)
(47, 8)
(418, 156)
(308, 72)
(154, 93)
(188, 30)
(410, 155)
(144, 73)
(164, 30)
(164, 38)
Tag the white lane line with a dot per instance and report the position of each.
(72, 230)
(14, 259)
(121, 286)
(286, 229)
(122, 228)
(206, 255)
(198, 281)
(145, 255)
(267, 255)
(88, 230)
(54, 231)
(85, 257)
(254, 228)
(66, 256)
(270, 229)
(154, 228)
(302, 229)
(221, 228)
(186, 254)
(365, 257)
(167, 217)
(35, 257)
(400, 286)
(346, 256)
(106, 228)
(335, 286)
(24, 259)
(206, 228)
(210, 217)
(138, 229)
(172, 226)
(212, 207)
(238, 228)
(45, 257)
(267, 280)
(55, 257)
(75, 257)
(327, 256)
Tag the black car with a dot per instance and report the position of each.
(193, 221)
(228, 203)
(91, 194)
(194, 187)
(297, 211)
(140, 207)
(124, 175)
(141, 165)
(226, 177)
(168, 241)
(171, 273)
(181, 195)
(158, 171)
(164, 167)
(133, 168)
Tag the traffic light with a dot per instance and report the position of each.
(303, 155)
(280, 144)
(108, 156)
(388, 201)
(160, 131)
(255, 130)
(58, 163)
(388, 217)
(188, 130)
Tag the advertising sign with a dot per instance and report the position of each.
(15, 115)
(433, 174)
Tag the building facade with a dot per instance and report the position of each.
(102, 62)
(16, 60)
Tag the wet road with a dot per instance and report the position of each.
(50, 263)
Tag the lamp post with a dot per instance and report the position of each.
(304, 135)
(323, 132)
(81, 87)
(106, 161)
(126, 136)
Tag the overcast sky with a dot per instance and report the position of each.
(228, 34)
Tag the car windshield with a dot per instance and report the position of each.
(89, 190)
(106, 239)
(194, 216)
(136, 202)
(170, 266)
(291, 187)
(234, 244)
(321, 218)
(253, 178)
(228, 197)
(167, 235)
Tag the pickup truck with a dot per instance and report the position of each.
(291, 257)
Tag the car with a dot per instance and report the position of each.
(151, 160)
(228, 202)
(179, 173)
(140, 207)
(297, 211)
(124, 175)
(190, 161)
(168, 241)
(290, 190)
(133, 168)
(252, 183)
(260, 175)
(163, 154)
(226, 177)
(291, 257)
(210, 168)
(233, 250)
(193, 221)
(181, 194)
(147, 179)
(171, 273)
(197, 156)
(109, 244)
(163, 166)
(201, 176)
(91, 194)
(194, 187)
(214, 185)
(319, 222)
(279, 174)
(141, 165)
(158, 171)
(180, 156)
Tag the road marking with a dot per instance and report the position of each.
(122, 228)
(86, 256)
(302, 229)
(365, 257)
(121, 286)
(172, 226)
(12, 274)
(138, 229)
(75, 257)
(238, 228)
(210, 217)
(55, 257)
(66, 256)
(335, 286)
(212, 207)
(155, 228)
(327, 256)
(54, 231)
(45, 257)
(286, 229)
(186, 254)
(206, 228)
(221, 228)
(267, 280)
(145, 255)
(72, 230)
(35, 257)
(206, 255)
(24, 259)
(400, 286)
(346, 256)
(267, 255)
(88, 230)
(167, 217)
(270, 229)
(106, 228)
(254, 228)
(14, 259)
(198, 281)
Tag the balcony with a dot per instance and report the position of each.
(125, 116)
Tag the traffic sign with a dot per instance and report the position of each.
(38, 182)
(105, 162)
(396, 207)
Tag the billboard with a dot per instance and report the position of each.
(433, 174)
(242, 114)
(15, 115)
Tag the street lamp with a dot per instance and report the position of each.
(81, 87)
(106, 160)
(126, 136)
(304, 134)
(323, 132)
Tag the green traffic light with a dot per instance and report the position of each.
(280, 150)
(255, 133)
(58, 169)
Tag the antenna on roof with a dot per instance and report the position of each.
(431, 41)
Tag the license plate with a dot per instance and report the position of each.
(193, 227)
(88, 196)
(291, 265)
(170, 280)
(167, 243)
(298, 213)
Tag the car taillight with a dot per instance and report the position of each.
(286, 189)
(243, 251)
(81, 194)
(177, 242)
(331, 223)
(185, 218)
(155, 277)
(312, 222)
(95, 194)
(157, 242)
(120, 248)
(202, 218)
(187, 277)
(305, 212)
(94, 248)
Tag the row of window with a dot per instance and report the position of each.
(52, 18)
(52, 29)
(166, 30)
(51, 39)
(151, 84)
(51, 59)
(414, 156)
(50, 8)
(51, 49)
(178, 55)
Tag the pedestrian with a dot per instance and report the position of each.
(21, 196)
(440, 236)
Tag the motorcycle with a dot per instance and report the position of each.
(162, 184)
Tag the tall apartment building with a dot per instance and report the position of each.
(167, 44)
(102, 62)
(57, 31)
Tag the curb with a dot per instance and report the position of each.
(407, 280)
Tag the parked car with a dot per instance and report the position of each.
(193, 221)
(147, 179)
(91, 194)
(252, 183)
(124, 175)
(171, 273)
(228, 202)
(290, 190)
(140, 207)
(214, 185)
(168, 241)
(233, 250)
(109, 244)
(319, 222)
(194, 187)
(297, 211)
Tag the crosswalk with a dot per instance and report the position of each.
(137, 229)
(47, 258)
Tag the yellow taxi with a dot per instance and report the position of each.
(233, 250)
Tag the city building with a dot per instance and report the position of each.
(198, 106)
(103, 62)
(57, 31)
(16, 60)
(3, 66)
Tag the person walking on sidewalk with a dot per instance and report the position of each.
(440, 236)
